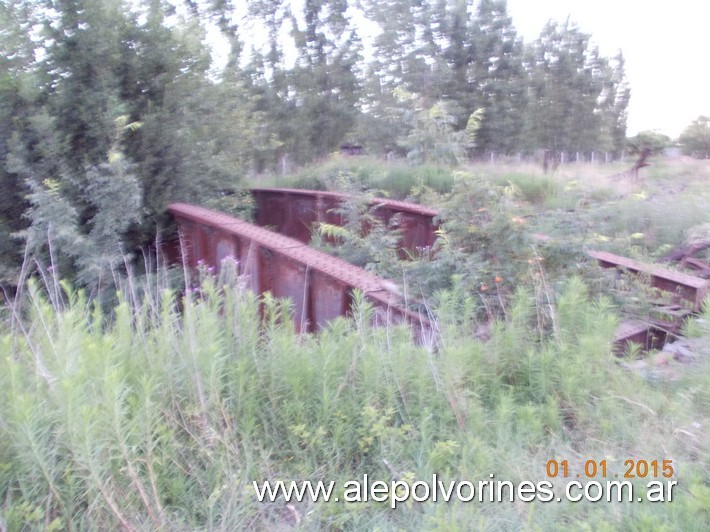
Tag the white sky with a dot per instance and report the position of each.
(666, 47)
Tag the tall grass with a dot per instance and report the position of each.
(160, 414)
(354, 174)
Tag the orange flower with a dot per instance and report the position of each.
(498, 279)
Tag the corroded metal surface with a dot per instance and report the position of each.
(664, 320)
(293, 212)
(634, 332)
(647, 335)
(319, 286)
(683, 286)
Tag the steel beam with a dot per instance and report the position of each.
(293, 212)
(692, 289)
(319, 286)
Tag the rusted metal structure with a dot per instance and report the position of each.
(646, 335)
(320, 286)
(351, 150)
(293, 212)
(687, 292)
(683, 287)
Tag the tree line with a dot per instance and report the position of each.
(111, 108)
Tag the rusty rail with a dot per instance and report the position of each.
(320, 286)
(293, 212)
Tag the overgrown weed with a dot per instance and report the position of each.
(162, 418)
(158, 413)
(395, 178)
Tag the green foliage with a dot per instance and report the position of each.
(95, 82)
(578, 98)
(649, 140)
(533, 189)
(18, 95)
(695, 139)
(483, 238)
(492, 55)
(364, 239)
(94, 249)
(641, 223)
(117, 119)
(699, 327)
(432, 137)
(158, 417)
(482, 244)
(395, 179)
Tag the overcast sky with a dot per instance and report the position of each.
(666, 46)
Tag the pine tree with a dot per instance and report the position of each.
(325, 82)
(613, 104)
(463, 53)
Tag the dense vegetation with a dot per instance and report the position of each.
(109, 109)
(158, 418)
(133, 398)
(160, 412)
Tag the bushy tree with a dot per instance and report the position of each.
(613, 102)
(19, 98)
(653, 141)
(325, 81)
(311, 105)
(122, 118)
(496, 78)
(577, 100)
(695, 139)
(432, 137)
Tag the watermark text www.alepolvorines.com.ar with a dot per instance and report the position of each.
(492, 490)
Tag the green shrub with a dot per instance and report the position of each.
(395, 179)
(155, 417)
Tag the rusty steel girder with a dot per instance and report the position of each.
(682, 286)
(293, 212)
(319, 286)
